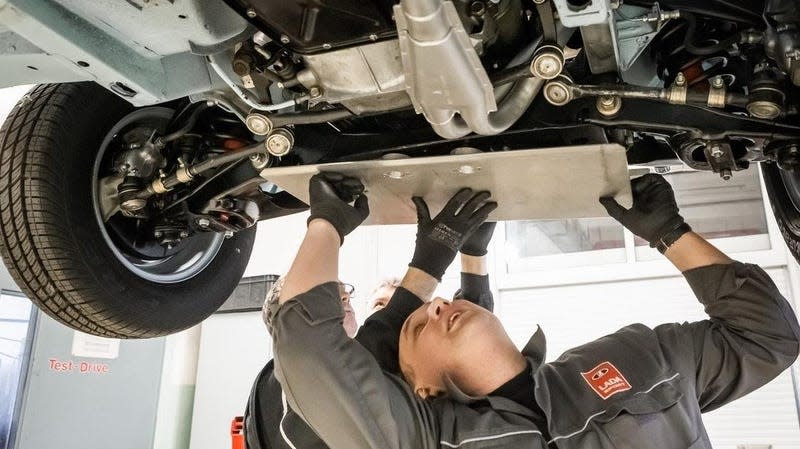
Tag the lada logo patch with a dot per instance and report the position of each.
(606, 380)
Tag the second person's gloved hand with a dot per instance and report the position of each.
(329, 197)
(439, 239)
(654, 215)
(478, 243)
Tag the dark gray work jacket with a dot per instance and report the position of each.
(636, 388)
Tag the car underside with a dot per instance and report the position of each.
(175, 116)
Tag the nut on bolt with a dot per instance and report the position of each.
(609, 105)
(716, 152)
(680, 79)
(251, 13)
(315, 92)
(203, 222)
(558, 92)
(548, 62)
(280, 142)
(258, 124)
(260, 161)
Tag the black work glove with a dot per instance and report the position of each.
(478, 242)
(439, 240)
(329, 197)
(654, 215)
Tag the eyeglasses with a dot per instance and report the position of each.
(347, 288)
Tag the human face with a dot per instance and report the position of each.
(349, 323)
(458, 340)
(381, 297)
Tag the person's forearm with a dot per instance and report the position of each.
(474, 264)
(317, 260)
(692, 251)
(475, 282)
(419, 283)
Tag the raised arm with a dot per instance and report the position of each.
(438, 241)
(333, 383)
(752, 334)
(474, 268)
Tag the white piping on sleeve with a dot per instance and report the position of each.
(589, 419)
(280, 427)
(657, 384)
(489, 437)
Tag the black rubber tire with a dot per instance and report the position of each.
(786, 214)
(51, 241)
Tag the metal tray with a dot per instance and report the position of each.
(548, 183)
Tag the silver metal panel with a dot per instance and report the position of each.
(154, 48)
(550, 183)
(358, 72)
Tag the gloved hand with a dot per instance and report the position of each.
(439, 240)
(654, 215)
(478, 242)
(329, 197)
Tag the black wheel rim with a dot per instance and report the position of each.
(143, 257)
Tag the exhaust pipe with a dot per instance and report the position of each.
(445, 77)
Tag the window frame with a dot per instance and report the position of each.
(633, 268)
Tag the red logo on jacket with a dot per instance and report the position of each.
(606, 380)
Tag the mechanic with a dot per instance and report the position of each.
(339, 386)
(270, 423)
(638, 387)
(380, 296)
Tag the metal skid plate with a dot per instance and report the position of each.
(549, 183)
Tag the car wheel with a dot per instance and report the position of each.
(783, 189)
(84, 269)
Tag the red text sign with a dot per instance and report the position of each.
(77, 367)
(606, 380)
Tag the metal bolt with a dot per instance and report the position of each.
(725, 174)
(285, 39)
(539, 2)
(548, 63)
(718, 82)
(203, 222)
(373, 37)
(716, 152)
(258, 124)
(557, 93)
(609, 105)
(315, 92)
(326, 46)
(280, 142)
(260, 161)
(228, 234)
(184, 234)
(158, 234)
(251, 13)
(477, 8)
(680, 79)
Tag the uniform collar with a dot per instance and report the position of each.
(536, 349)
